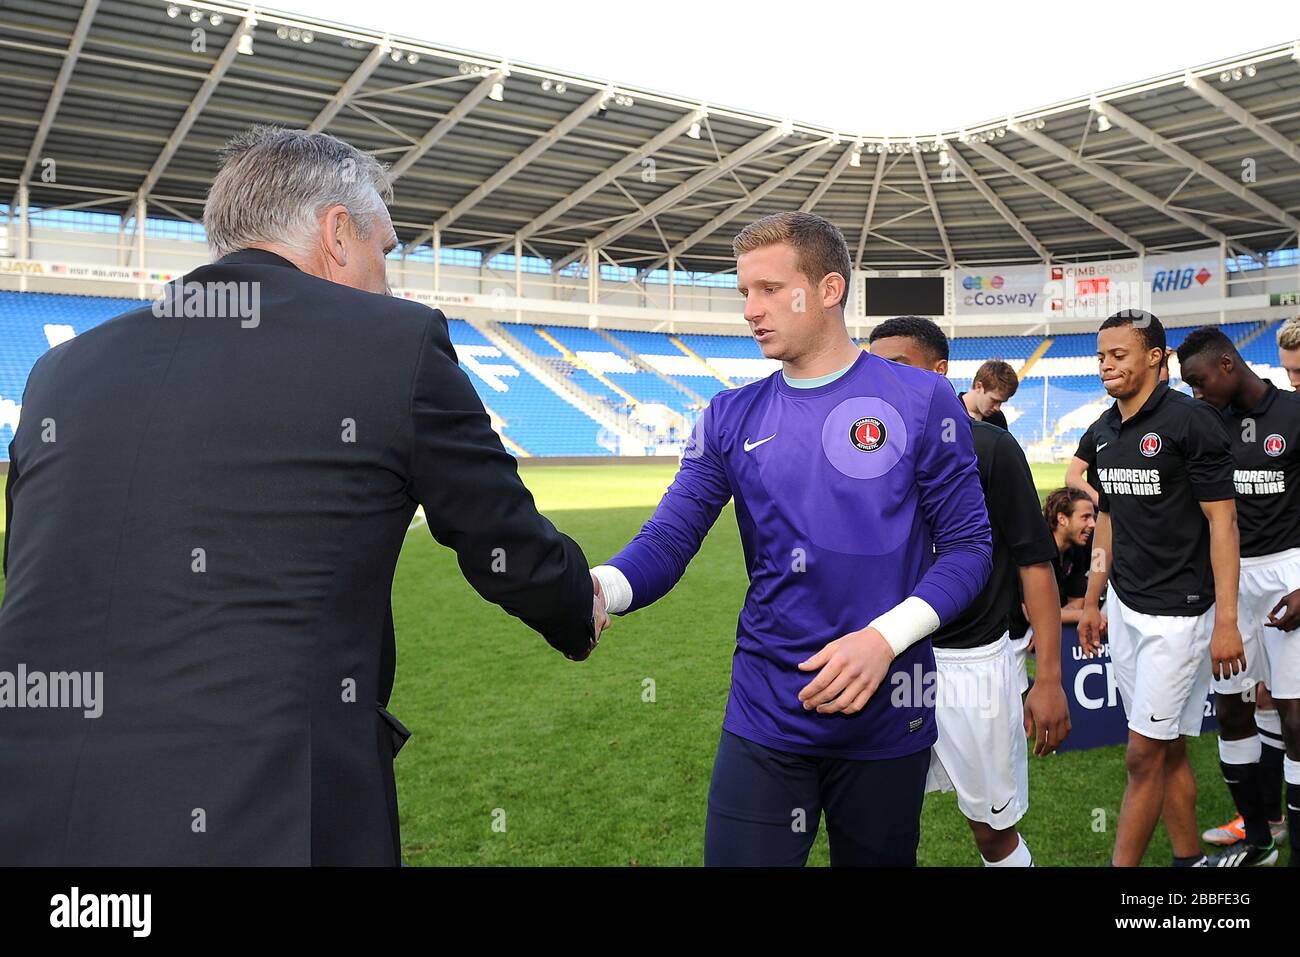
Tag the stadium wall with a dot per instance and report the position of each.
(703, 308)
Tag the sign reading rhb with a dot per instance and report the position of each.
(1192, 276)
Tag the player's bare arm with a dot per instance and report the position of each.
(1091, 628)
(1047, 713)
(1074, 477)
(1226, 654)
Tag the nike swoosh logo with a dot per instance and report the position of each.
(1154, 718)
(750, 446)
(1102, 446)
(999, 810)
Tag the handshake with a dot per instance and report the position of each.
(599, 621)
(599, 609)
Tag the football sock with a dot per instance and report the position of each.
(1018, 858)
(1270, 762)
(1292, 770)
(1239, 761)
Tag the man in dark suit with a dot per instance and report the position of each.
(206, 503)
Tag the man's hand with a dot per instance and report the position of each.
(852, 668)
(1226, 654)
(1289, 606)
(1047, 711)
(599, 621)
(1091, 628)
(599, 614)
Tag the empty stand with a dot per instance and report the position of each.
(592, 389)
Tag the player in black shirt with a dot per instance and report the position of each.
(1264, 428)
(995, 382)
(981, 748)
(1166, 541)
(1071, 518)
(1078, 474)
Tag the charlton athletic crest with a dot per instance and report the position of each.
(1274, 445)
(1150, 445)
(868, 433)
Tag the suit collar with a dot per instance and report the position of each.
(254, 257)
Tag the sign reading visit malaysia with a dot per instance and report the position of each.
(1094, 290)
(1185, 276)
(92, 271)
(999, 289)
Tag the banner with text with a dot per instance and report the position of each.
(1092, 692)
(1184, 276)
(998, 290)
(1094, 290)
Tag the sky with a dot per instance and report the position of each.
(901, 68)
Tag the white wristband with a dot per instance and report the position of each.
(906, 623)
(617, 589)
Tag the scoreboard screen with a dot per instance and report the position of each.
(904, 295)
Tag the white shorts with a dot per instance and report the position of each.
(1272, 655)
(981, 752)
(1162, 667)
(1020, 651)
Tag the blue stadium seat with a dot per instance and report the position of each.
(544, 423)
(642, 385)
(29, 322)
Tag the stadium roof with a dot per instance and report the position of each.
(485, 150)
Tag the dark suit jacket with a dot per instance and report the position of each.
(209, 513)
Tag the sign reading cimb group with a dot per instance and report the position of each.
(1095, 290)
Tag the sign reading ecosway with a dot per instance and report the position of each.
(999, 290)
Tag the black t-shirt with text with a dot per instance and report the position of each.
(1152, 473)
(1266, 455)
(1020, 537)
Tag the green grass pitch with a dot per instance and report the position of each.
(520, 757)
(583, 770)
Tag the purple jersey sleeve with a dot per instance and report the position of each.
(953, 504)
(655, 560)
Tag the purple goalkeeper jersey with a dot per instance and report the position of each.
(850, 497)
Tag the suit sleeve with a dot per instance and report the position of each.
(10, 478)
(655, 560)
(476, 504)
(953, 505)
